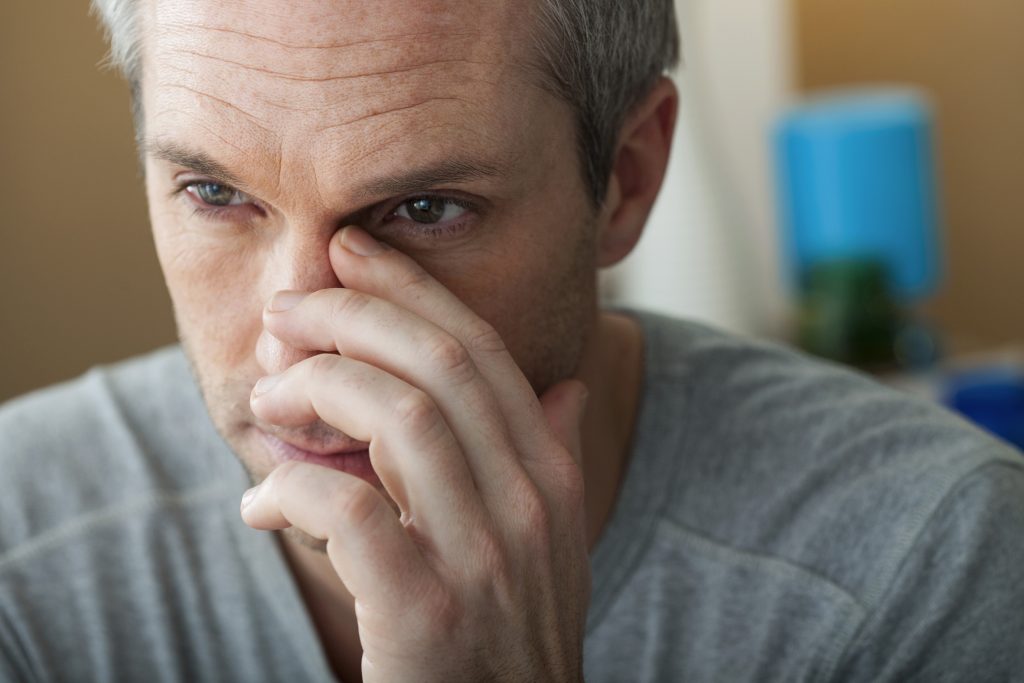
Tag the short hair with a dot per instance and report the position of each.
(600, 56)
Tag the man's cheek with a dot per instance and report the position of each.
(474, 272)
(216, 304)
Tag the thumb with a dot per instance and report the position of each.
(564, 406)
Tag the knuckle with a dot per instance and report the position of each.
(417, 413)
(481, 337)
(492, 558)
(451, 357)
(533, 512)
(345, 303)
(564, 478)
(412, 278)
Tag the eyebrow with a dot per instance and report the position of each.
(200, 162)
(445, 172)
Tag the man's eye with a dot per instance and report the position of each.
(429, 210)
(216, 194)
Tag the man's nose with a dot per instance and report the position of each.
(299, 263)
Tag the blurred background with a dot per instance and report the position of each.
(80, 284)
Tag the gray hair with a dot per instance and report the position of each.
(600, 56)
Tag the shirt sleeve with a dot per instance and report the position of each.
(955, 610)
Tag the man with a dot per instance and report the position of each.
(380, 225)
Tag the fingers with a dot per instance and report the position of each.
(382, 334)
(391, 275)
(564, 406)
(393, 315)
(367, 545)
(412, 449)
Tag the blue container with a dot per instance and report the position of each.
(993, 399)
(856, 177)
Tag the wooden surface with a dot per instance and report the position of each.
(970, 57)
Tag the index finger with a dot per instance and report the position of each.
(367, 545)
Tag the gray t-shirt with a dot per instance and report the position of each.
(780, 520)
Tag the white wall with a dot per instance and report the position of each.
(710, 251)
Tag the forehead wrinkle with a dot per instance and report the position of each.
(391, 110)
(240, 65)
(206, 128)
(239, 55)
(308, 61)
(340, 77)
(329, 105)
(331, 98)
(397, 37)
(255, 120)
(341, 155)
(355, 56)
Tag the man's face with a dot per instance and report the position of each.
(420, 122)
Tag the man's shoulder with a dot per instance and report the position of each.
(118, 435)
(789, 459)
(106, 403)
(88, 393)
(783, 518)
(118, 508)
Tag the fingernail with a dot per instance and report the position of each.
(359, 242)
(265, 384)
(248, 496)
(285, 301)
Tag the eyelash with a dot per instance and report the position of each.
(420, 230)
(427, 229)
(181, 191)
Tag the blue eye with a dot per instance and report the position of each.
(429, 210)
(216, 194)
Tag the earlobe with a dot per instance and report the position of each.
(637, 174)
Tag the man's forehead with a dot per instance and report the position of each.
(310, 55)
(334, 84)
(341, 24)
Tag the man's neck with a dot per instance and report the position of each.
(612, 369)
(330, 606)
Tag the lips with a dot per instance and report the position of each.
(353, 459)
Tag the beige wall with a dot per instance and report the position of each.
(79, 281)
(970, 56)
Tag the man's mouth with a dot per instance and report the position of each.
(353, 459)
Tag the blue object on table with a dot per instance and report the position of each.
(857, 181)
(993, 399)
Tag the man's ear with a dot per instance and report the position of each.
(639, 168)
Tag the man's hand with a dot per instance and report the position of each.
(485, 575)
